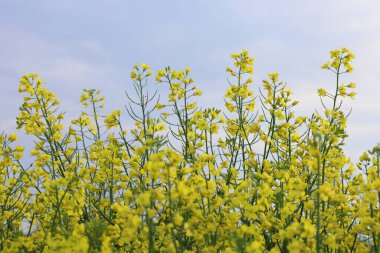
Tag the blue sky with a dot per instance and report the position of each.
(93, 44)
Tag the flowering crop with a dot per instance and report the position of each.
(255, 178)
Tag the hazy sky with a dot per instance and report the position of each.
(93, 44)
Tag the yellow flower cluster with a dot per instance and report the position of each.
(187, 179)
(340, 61)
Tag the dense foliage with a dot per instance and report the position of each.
(256, 178)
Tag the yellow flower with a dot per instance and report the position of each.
(159, 106)
(322, 92)
(177, 219)
(112, 119)
(352, 95)
(197, 92)
(144, 66)
(13, 137)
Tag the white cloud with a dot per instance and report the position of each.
(60, 65)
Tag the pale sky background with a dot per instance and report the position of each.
(93, 44)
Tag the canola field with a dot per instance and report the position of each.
(251, 176)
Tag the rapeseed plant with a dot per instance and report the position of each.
(256, 178)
